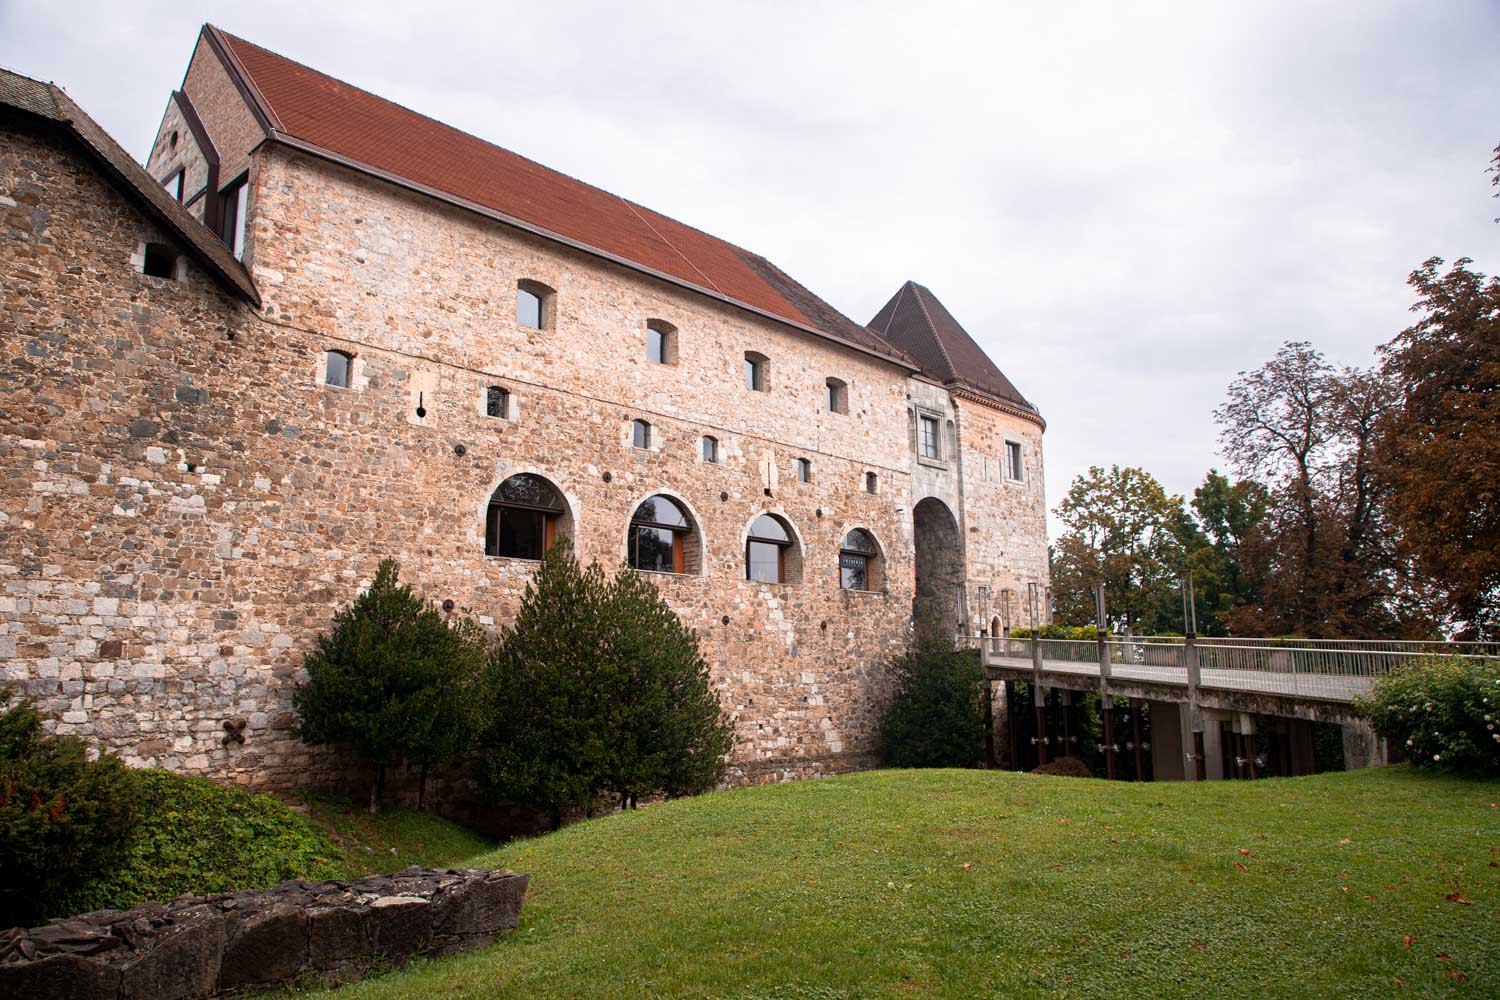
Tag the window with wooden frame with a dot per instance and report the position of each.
(524, 516)
(769, 551)
(661, 537)
(859, 561)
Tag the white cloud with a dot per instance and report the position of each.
(1125, 204)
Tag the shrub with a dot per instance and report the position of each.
(64, 819)
(598, 689)
(674, 735)
(199, 837)
(1067, 767)
(392, 679)
(937, 715)
(1443, 712)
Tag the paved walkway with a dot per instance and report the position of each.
(1329, 687)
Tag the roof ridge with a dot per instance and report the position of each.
(936, 336)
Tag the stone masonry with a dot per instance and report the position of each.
(184, 503)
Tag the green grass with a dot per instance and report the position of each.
(388, 841)
(962, 883)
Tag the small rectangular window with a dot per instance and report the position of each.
(872, 482)
(528, 309)
(804, 470)
(336, 372)
(640, 434)
(710, 449)
(496, 402)
(755, 373)
(1014, 470)
(234, 198)
(159, 261)
(930, 438)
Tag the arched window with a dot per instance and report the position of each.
(525, 514)
(756, 366)
(534, 304)
(859, 562)
(661, 342)
(770, 551)
(496, 402)
(640, 434)
(662, 539)
(337, 368)
(710, 448)
(838, 396)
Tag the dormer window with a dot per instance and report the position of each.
(838, 396)
(534, 304)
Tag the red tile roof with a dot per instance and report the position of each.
(375, 133)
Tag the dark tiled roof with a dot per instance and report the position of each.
(50, 102)
(915, 321)
(377, 135)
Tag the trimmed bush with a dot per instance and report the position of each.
(65, 820)
(1443, 712)
(937, 716)
(199, 837)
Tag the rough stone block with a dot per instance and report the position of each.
(400, 926)
(336, 936)
(183, 963)
(265, 947)
(480, 908)
(57, 976)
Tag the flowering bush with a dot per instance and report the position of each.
(1442, 712)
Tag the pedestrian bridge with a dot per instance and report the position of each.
(1254, 698)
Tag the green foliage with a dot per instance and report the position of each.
(392, 679)
(1443, 712)
(936, 717)
(674, 736)
(1079, 633)
(199, 837)
(64, 819)
(598, 688)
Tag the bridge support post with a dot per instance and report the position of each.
(1106, 704)
(1135, 735)
(1190, 663)
(1039, 696)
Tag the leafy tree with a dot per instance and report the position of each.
(1439, 453)
(936, 717)
(65, 820)
(1121, 529)
(392, 679)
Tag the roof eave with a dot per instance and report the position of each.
(964, 390)
(313, 149)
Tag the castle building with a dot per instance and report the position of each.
(317, 329)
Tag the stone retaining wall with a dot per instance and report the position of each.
(204, 946)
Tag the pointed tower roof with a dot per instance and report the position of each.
(917, 323)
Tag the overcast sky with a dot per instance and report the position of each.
(1125, 204)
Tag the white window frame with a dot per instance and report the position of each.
(1019, 450)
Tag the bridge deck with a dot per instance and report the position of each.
(1324, 687)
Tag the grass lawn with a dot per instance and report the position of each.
(388, 841)
(962, 883)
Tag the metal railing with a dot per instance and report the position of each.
(1332, 669)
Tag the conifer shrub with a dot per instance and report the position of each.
(393, 679)
(1443, 712)
(598, 689)
(936, 717)
(65, 820)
